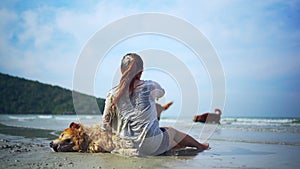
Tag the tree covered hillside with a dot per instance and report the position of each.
(21, 96)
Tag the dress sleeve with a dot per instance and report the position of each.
(156, 90)
(108, 114)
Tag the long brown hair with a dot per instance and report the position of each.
(131, 68)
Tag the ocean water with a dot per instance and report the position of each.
(283, 131)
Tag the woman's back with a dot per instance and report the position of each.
(139, 117)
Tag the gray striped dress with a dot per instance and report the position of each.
(134, 120)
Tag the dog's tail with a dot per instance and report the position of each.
(166, 106)
(218, 111)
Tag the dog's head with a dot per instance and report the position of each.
(72, 139)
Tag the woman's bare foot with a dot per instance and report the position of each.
(204, 146)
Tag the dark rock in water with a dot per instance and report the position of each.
(182, 152)
(4, 147)
(4, 140)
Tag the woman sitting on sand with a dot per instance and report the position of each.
(130, 113)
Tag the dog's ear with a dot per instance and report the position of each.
(74, 125)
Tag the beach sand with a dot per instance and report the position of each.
(27, 150)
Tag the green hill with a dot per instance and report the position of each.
(21, 96)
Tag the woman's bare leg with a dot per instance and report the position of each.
(180, 139)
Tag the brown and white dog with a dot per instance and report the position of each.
(79, 138)
(92, 139)
(209, 117)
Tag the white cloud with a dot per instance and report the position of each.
(257, 40)
(8, 18)
(39, 33)
(29, 50)
(82, 25)
(43, 43)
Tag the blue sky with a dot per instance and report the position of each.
(258, 43)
